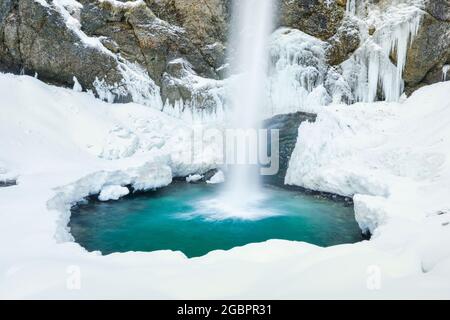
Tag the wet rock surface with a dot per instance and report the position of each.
(288, 125)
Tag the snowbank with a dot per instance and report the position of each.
(65, 145)
(113, 193)
(394, 160)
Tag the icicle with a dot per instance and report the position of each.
(445, 70)
(298, 68)
(371, 69)
(400, 40)
(351, 6)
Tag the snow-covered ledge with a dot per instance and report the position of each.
(150, 176)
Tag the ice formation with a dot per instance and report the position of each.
(371, 68)
(298, 72)
(445, 70)
(299, 77)
(208, 96)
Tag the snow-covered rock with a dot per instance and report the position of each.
(194, 178)
(113, 193)
(218, 178)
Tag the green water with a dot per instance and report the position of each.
(189, 218)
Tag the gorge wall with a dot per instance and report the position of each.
(172, 53)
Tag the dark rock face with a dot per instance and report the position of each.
(429, 52)
(205, 22)
(440, 9)
(288, 125)
(36, 39)
(140, 36)
(315, 17)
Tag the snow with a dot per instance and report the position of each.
(298, 72)
(194, 178)
(218, 178)
(113, 193)
(207, 103)
(5, 174)
(124, 5)
(135, 82)
(393, 159)
(64, 145)
(351, 6)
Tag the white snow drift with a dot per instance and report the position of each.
(63, 145)
(394, 160)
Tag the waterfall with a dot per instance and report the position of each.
(252, 25)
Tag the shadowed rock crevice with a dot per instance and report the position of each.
(288, 125)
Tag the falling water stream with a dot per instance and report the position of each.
(252, 25)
